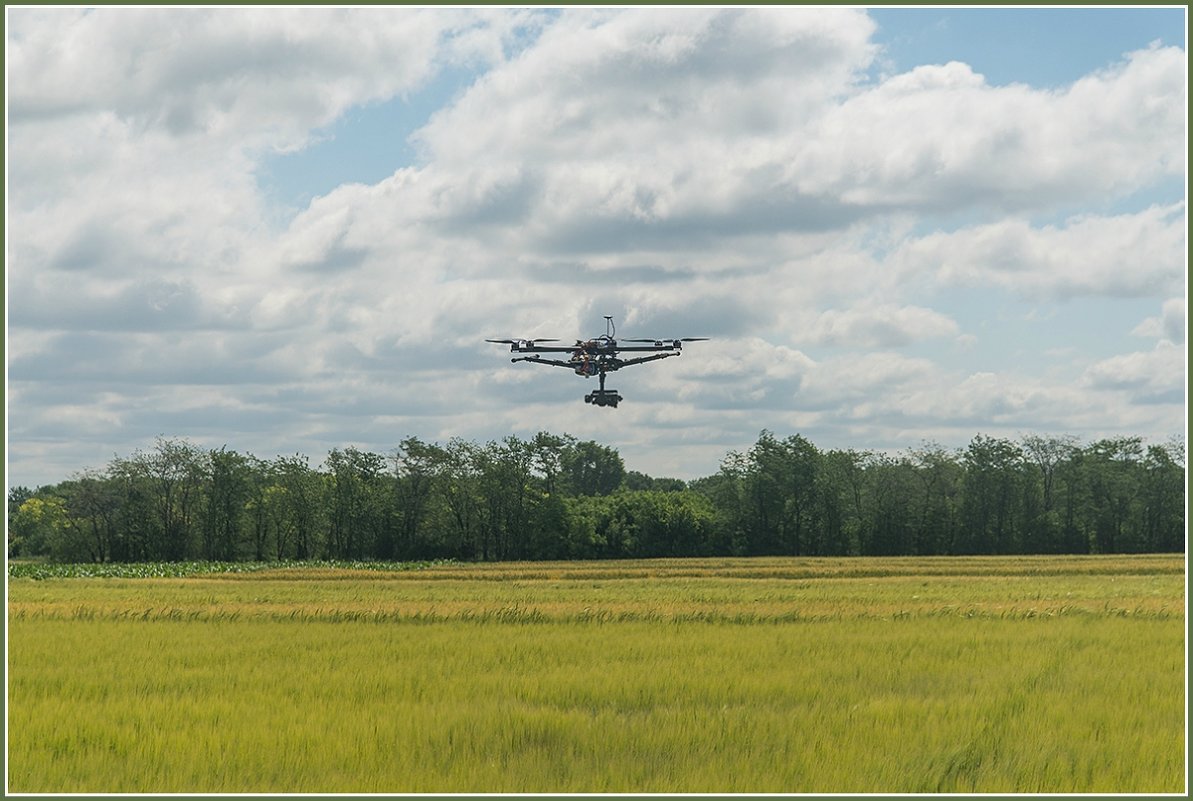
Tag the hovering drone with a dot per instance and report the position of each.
(597, 356)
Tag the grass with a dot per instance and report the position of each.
(771, 675)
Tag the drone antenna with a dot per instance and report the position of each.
(610, 329)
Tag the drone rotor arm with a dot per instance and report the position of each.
(539, 360)
(642, 359)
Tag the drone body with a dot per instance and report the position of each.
(598, 356)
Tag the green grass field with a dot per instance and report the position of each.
(1015, 675)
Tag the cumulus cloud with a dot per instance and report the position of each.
(1169, 326)
(881, 325)
(939, 136)
(1155, 376)
(141, 130)
(731, 173)
(629, 83)
(1137, 254)
(651, 126)
(267, 76)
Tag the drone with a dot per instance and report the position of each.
(598, 356)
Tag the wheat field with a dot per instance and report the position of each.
(999, 675)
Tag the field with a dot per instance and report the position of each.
(999, 675)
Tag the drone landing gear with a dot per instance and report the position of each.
(602, 396)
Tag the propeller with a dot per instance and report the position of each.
(516, 341)
(661, 341)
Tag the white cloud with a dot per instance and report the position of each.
(883, 325)
(266, 76)
(1169, 326)
(140, 130)
(1137, 254)
(646, 126)
(644, 82)
(695, 172)
(1155, 376)
(939, 136)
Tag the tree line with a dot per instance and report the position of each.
(556, 497)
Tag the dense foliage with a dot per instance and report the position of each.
(555, 497)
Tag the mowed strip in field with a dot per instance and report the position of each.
(732, 675)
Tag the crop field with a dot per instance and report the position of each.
(778, 675)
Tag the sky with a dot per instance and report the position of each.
(287, 230)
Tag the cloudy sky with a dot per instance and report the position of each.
(288, 230)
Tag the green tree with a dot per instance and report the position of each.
(415, 464)
(19, 543)
(989, 506)
(583, 532)
(1047, 453)
(504, 477)
(592, 469)
(1113, 474)
(554, 497)
(139, 517)
(457, 480)
(359, 519)
(301, 505)
(92, 504)
(780, 486)
(547, 458)
(764, 483)
(840, 484)
(161, 495)
(726, 490)
(1043, 526)
(1163, 498)
(229, 488)
(635, 480)
(890, 516)
(800, 533)
(168, 480)
(36, 525)
(939, 477)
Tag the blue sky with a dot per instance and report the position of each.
(1003, 46)
(365, 145)
(1043, 47)
(287, 230)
